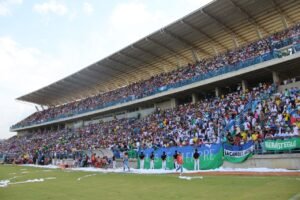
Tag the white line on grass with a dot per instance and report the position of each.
(80, 178)
(5, 183)
(14, 177)
(27, 181)
(295, 197)
(190, 177)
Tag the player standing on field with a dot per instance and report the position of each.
(152, 160)
(196, 160)
(164, 160)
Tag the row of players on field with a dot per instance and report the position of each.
(177, 157)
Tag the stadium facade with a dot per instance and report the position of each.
(219, 27)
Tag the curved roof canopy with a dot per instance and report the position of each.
(214, 28)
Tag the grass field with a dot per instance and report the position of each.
(106, 186)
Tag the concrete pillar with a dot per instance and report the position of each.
(244, 85)
(276, 78)
(194, 98)
(173, 102)
(217, 92)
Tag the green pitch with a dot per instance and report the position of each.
(90, 185)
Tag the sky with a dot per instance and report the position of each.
(44, 41)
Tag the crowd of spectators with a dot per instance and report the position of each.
(148, 87)
(234, 118)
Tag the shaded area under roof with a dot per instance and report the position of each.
(217, 27)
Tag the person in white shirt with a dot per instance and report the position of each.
(295, 130)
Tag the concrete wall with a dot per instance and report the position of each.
(288, 86)
(286, 161)
(164, 105)
(146, 112)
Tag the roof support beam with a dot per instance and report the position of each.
(215, 49)
(81, 76)
(38, 97)
(250, 19)
(258, 32)
(119, 70)
(74, 81)
(224, 26)
(109, 74)
(154, 55)
(63, 88)
(70, 87)
(93, 88)
(168, 48)
(95, 84)
(52, 92)
(199, 30)
(140, 61)
(283, 16)
(195, 55)
(235, 41)
(185, 42)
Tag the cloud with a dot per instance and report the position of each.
(26, 68)
(23, 69)
(88, 8)
(51, 7)
(137, 19)
(5, 6)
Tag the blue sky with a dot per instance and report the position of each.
(44, 41)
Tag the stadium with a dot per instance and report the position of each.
(206, 107)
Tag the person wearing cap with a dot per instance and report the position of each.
(164, 160)
(142, 161)
(175, 159)
(196, 160)
(179, 163)
(152, 160)
(114, 162)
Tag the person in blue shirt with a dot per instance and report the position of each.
(125, 162)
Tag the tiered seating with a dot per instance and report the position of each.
(234, 118)
(256, 52)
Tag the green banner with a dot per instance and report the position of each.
(209, 159)
(235, 159)
(282, 144)
(238, 154)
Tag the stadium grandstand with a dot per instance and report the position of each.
(227, 73)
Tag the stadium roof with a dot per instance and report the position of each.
(214, 28)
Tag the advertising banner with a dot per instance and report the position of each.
(210, 156)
